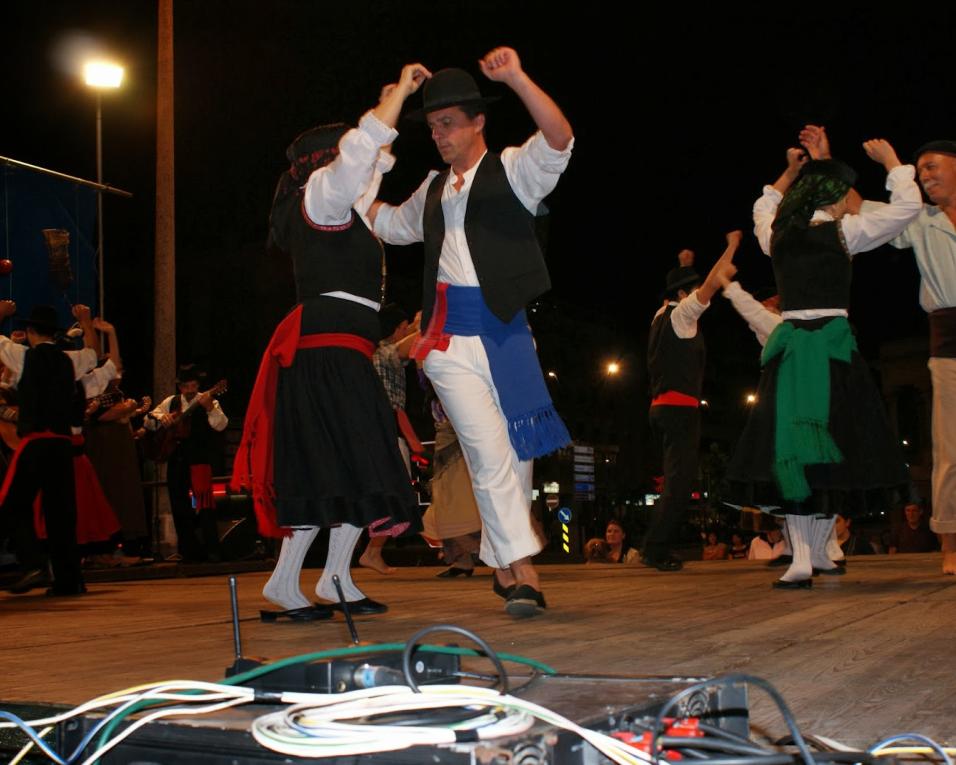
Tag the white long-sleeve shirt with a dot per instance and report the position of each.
(761, 320)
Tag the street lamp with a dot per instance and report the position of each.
(101, 75)
(751, 399)
(613, 368)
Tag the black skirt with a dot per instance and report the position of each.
(336, 440)
(873, 469)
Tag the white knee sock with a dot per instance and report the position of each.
(800, 527)
(834, 551)
(822, 530)
(787, 547)
(283, 586)
(342, 541)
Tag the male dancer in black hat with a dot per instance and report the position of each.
(675, 363)
(50, 403)
(482, 266)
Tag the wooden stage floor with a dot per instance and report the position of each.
(857, 658)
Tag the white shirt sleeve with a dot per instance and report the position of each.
(533, 169)
(762, 322)
(96, 380)
(216, 417)
(12, 355)
(150, 422)
(83, 361)
(765, 209)
(403, 224)
(684, 317)
(332, 191)
(875, 227)
(383, 164)
(900, 242)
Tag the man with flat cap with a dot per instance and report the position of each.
(933, 239)
(483, 265)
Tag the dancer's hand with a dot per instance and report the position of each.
(7, 308)
(814, 139)
(501, 65)
(411, 78)
(880, 150)
(796, 158)
(685, 258)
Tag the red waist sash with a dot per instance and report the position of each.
(253, 468)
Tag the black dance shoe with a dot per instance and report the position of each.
(363, 607)
(799, 584)
(499, 589)
(450, 573)
(315, 613)
(780, 560)
(670, 563)
(525, 600)
(34, 579)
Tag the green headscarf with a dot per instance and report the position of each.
(821, 182)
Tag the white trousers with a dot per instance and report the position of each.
(943, 374)
(502, 483)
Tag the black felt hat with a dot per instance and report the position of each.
(43, 318)
(449, 87)
(678, 278)
(189, 373)
(936, 147)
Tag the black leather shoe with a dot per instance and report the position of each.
(499, 589)
(837, 571)
(66, 590)
(525, 600)
(38, 577)
(800, 584)
(305, 614)
(670, 563)
(454, 571)
(363, 607)
(780, 560)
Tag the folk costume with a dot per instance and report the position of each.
(483, 264)
(319, 446)
(817, 441)
(675, 362)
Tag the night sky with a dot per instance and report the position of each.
(679, 119)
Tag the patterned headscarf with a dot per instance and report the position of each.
(821, 182)
(311, 150)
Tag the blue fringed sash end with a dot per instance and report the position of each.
(538, 433)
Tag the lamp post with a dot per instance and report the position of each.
(101, 75)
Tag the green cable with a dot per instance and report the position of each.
(330, 654)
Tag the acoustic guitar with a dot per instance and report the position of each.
(160, 442)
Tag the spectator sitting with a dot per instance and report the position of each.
(766, 549)
(738, 550)
(714, 550)
(618, 551)
(850, 541)
(914, 535)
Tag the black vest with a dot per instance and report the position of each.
(674, 363)
(47, 392)
(341, 258)
(202, 445)
(812, 267)
(501, 238)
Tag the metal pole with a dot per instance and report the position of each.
(99, 200)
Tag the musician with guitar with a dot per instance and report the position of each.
(189, 423)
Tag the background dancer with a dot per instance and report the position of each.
(483, 264)
(336, 460)
(817, 438)
(675, 366)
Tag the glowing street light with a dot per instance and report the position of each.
(751, 399)
(101, 75)
(552, 374)
(613, 368)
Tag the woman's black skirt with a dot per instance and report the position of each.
(336, 440)
(873, 467)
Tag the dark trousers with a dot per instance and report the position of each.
(678, 430)
(46, 466)
(187, 521)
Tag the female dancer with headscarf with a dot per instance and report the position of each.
(817, 440)
(319, 446)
